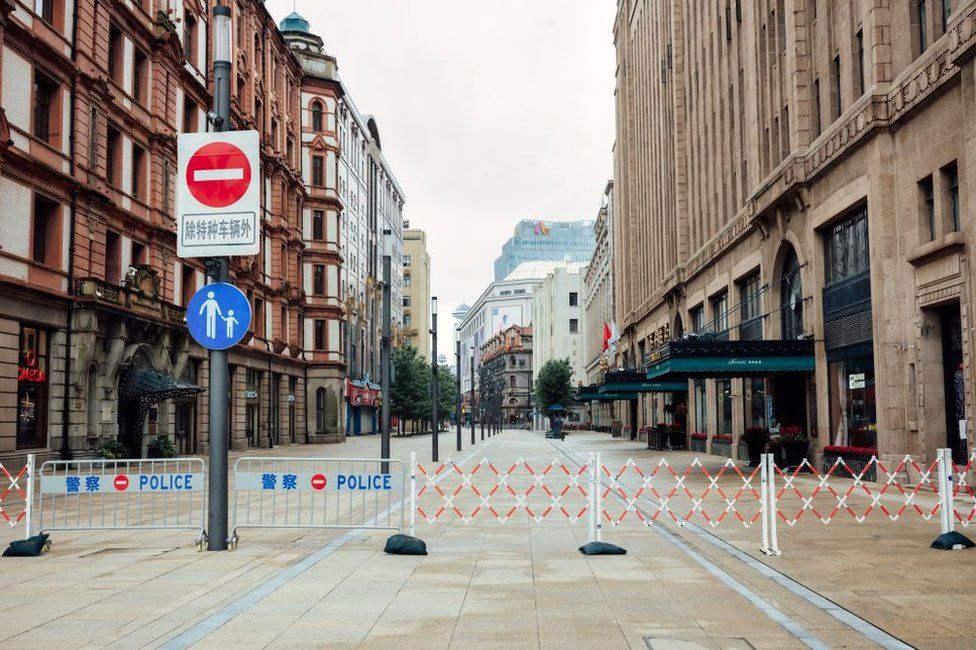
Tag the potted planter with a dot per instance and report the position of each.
(677, 439)
(790, 446)
(722, 445)
(699, 442)
(857, 459)
(755, 439)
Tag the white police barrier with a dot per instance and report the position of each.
(129, 494)
(340, 493)
(16, 495)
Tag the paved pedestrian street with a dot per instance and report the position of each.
(491, 584)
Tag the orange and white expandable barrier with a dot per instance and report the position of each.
(19, 485)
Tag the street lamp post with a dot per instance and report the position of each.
(385, 355)
(457, 379)
(217, 268)
(434, 385)
(471, 401)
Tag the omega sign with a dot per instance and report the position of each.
(29, 372)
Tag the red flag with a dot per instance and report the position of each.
(607, 335)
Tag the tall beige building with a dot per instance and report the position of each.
(416, 292)
(792, 184)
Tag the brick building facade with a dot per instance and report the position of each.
(90, 107)
(793, 177)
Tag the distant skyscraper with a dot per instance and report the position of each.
(571, 241)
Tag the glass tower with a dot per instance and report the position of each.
(572, 241)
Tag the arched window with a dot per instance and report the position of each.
(791, 298)
(320, 410)
(317, 117)
(512, 381)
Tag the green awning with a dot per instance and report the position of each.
(645, 386)
(698, 358)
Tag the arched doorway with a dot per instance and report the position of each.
(789, 390)
(790, 297)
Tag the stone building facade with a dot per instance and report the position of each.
(598, 309)
(416, 292)
(794, 175)
(92, 295)
(506, 367)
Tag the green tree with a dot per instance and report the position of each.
(554, 384)
(447, 395)
(410, 389)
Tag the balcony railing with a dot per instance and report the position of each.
(102, 292)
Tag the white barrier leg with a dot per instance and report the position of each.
(413, 494)
(591, 514)
(29, 506)
(598, 496)
(947, 506)
(764, 504)
(773, 507)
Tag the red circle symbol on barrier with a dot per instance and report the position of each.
(218, 174)
(121, 482)
(318, 482)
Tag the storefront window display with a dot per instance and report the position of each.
(32, 388)
(723, 406)
(853, 407)
(755, 410)
(701, 407)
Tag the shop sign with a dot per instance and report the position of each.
(29, 372)
(250, 394)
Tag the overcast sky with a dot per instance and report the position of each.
(489, 112)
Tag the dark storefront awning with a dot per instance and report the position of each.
(698, 358)
(635, 381)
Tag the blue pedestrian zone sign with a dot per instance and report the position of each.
(218, 316)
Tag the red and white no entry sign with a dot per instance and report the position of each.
(318, 482)
(218, 194)
(218, 174)
(121, 482)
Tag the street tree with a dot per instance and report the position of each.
(554, 384)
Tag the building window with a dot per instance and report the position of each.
(138, 171)
(318, 179)
(138, 254)
(723, 406)
(791, 299)
(750, 312)
(113, 156)
(835, 99)
(140, 76)
(406, 301)
(407, 320)
(116, 64)
(697, 316)
(189, 116)
(32, 383)
(701, 406)
(317, 117)
(573, 325)
(45, 233)
(46, 10)
(926, 192)
(720, 312)
(950, 177)
(946, 14)
(853, 409)
(407, 260)
(318, 225)
(113, 257)
(406, 281)
(318, 280)
(815, 109)
(260, 326)
(319, 332)
(573, 299)
(847, 248)
(190, 39)
(859, 53)
(189, 285)
(921, 26)
(46, 114)
(320, 409)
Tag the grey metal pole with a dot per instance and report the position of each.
(457, 395)
(434, 385)
(471, 404)
(219, 272)
(385, 361)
